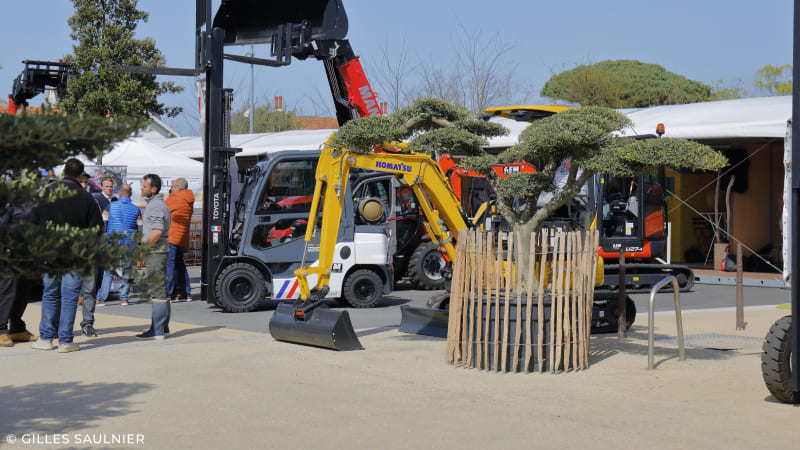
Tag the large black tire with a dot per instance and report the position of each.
(240, 288)
(776, 366)
(363, 289)
(425, 267)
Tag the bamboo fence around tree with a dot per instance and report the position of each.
(499, 323)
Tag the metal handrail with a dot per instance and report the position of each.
(651, 319)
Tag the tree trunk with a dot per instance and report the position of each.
(525, 231)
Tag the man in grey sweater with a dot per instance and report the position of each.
(155, 230)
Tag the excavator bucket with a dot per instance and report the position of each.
(259, 21)
(320, 327)
(425, 321)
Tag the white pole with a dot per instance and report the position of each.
(252, 93)
(669, 242)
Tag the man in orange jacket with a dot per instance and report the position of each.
(181, 206)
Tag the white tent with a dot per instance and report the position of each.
(282, 140)
(728, 119)
(142, 157)
(251, 144)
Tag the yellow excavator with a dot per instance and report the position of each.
(309, 321)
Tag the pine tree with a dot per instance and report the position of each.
(31, 141)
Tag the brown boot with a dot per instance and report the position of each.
(5, 341)
(23, 336)
(80, 300)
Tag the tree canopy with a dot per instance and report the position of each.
(104, 31)
(775, 80)
(265, 120)
(623, 84)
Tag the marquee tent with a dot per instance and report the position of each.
(142, 157)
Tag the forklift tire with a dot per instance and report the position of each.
(425, 267)
(363, 289)
(240, 288)
(776, 366)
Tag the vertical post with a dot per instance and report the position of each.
(252, 92)
(739, 289)
(669, 242)
(214, 165)
(794, 229)
(622, 333)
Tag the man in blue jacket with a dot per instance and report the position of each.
(122, 216)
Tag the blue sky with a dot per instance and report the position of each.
(705, 40)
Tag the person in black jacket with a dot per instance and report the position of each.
(13, 298)
(61, 292)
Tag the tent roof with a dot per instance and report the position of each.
(285, 140)
(143, 157)
(762, 117)
(251, 144)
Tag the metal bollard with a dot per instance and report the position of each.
(651, 317)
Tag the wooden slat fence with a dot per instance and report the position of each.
(509, 317)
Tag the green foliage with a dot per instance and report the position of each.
(427, 111)
(720, 92)
(265, 120)
(628, 156)
(46, 140)
(436, 125)
(623, 84)
(451, 140)
(583, 136)
(573, 134)
(105, 35)
(482, 127)
(481, 164)
(775, 80)
(363, 134)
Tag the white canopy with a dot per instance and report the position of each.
(251, 144)
(141, 157)
(762, 117)
(283, 140)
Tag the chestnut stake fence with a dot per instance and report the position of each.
(499, 323)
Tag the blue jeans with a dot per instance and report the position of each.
(105, 286)
(177, 271)
(59, 305)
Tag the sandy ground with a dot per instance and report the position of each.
(206, 387)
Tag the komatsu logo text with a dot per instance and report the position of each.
(393, 166)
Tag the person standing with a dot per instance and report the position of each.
(13, 297)
(181, 206)
(60, 293)
(156, 221)
(122, 216)
(105, 196)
